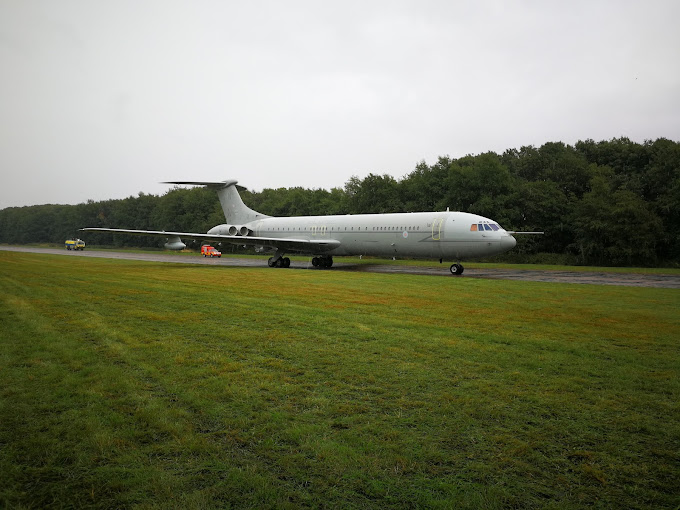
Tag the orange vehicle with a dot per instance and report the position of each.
(209, 251)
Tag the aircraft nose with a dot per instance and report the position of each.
(508, 242)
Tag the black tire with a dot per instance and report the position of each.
(456, 269)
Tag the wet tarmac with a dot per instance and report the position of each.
(581, 277)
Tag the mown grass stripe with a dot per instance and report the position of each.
(154, 385)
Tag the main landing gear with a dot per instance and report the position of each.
(278, 262)
(456, 269)
(322, 261)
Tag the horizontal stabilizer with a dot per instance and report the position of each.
(212, 184)
(235, 211)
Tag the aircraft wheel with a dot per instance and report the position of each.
(456, 269)
(315, 261)
(271, 262)
(286, 262)
(328, 262)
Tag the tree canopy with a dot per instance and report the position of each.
(613, 202)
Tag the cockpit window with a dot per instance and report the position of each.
(482, 227)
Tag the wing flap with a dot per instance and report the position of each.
(285, 244)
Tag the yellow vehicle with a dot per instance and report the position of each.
(74, 244)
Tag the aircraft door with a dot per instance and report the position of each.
(437, 229)
(437, 232)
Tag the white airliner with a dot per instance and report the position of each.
(446, 235)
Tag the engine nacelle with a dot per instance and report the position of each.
(220, 230)
(174, 243)
(230, 230)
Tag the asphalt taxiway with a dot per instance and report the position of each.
(595, 278)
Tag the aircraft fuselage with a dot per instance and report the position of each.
(431, 235)
(442, 235)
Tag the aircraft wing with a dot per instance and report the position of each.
(285, 244)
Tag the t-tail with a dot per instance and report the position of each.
(235, 211)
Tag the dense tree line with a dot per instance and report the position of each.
(612, 202)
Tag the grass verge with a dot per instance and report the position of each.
(133, 384)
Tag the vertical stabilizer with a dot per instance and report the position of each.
(235, 211)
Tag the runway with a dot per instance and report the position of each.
(670, 281)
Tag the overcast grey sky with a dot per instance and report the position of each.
(105, 99)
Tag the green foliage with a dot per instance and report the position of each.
(425, 188)
(608, 203)
(373, 194)
(297, 201)
(615, 226)
(481, 185)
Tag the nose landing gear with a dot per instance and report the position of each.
(456, 269)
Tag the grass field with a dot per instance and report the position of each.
(157, 385)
